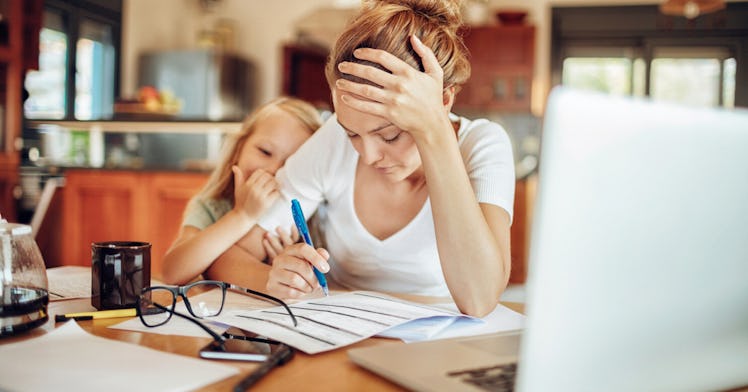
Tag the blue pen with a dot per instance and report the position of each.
(298, 218)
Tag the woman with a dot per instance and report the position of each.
(418, 200)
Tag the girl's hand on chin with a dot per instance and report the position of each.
(255, 194)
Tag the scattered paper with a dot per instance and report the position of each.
(501, 319)
(446, 322)
(69, 282)
(179, 326)
(175, 326)
(332, 322)
(70, 358)
(421, 329)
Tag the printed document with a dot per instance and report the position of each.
(500, 320)
(332, 322)
(420, 322)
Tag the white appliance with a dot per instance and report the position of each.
(212, 85)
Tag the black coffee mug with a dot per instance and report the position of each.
(119, 271)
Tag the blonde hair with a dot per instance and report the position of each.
(220, 185)
(388, 25)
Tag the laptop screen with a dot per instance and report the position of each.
(639, 248)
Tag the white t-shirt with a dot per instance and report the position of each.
(323, 171)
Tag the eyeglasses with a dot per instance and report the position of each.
(165, 298)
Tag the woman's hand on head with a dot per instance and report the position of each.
(254, 195)
(291, 275)
(412, 100)
(274, 244)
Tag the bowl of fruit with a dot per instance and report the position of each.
(150, 103)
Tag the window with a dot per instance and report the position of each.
(691, 75)
(78, 67)
(703, 76)
(696, 63)
(46, 87)
(606, 74)
(609, 70)
(94, 70)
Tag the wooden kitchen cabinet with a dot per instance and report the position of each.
(167, 196)
(502, 60)
(524, 199)
(304, 75)
(20, 22)
(9, 181)
(98, 206)
(102, 205)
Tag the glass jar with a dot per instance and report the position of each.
(23, 280)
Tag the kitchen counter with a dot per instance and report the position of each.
(175, 126)
(125, 145)
(194, 146)
(192, 167)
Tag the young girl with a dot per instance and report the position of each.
(239, 190)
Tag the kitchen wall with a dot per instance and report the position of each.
(262, 27)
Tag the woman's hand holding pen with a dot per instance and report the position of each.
(412, 100)
(254, 195)
(291, 275)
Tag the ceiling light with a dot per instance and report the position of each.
(691, 9)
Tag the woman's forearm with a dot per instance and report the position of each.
(472, 239)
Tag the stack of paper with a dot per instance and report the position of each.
(70, 358)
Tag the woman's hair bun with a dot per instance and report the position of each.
(446, 12)
(388, 25)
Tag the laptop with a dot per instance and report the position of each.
(638, 277)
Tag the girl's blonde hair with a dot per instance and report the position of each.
(220, 185)
(388, 25)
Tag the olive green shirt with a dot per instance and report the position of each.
(201, 213)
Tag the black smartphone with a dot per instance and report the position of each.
(241, 346)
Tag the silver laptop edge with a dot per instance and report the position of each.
(639, 251)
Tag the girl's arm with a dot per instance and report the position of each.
(241, 268)
(239, 265)
(251, 243)
(472, 238)
(195, 250)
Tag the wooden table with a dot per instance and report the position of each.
(330, 371)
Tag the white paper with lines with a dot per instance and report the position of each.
(332, 322)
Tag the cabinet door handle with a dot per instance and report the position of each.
(520, 88)
(499, 89)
